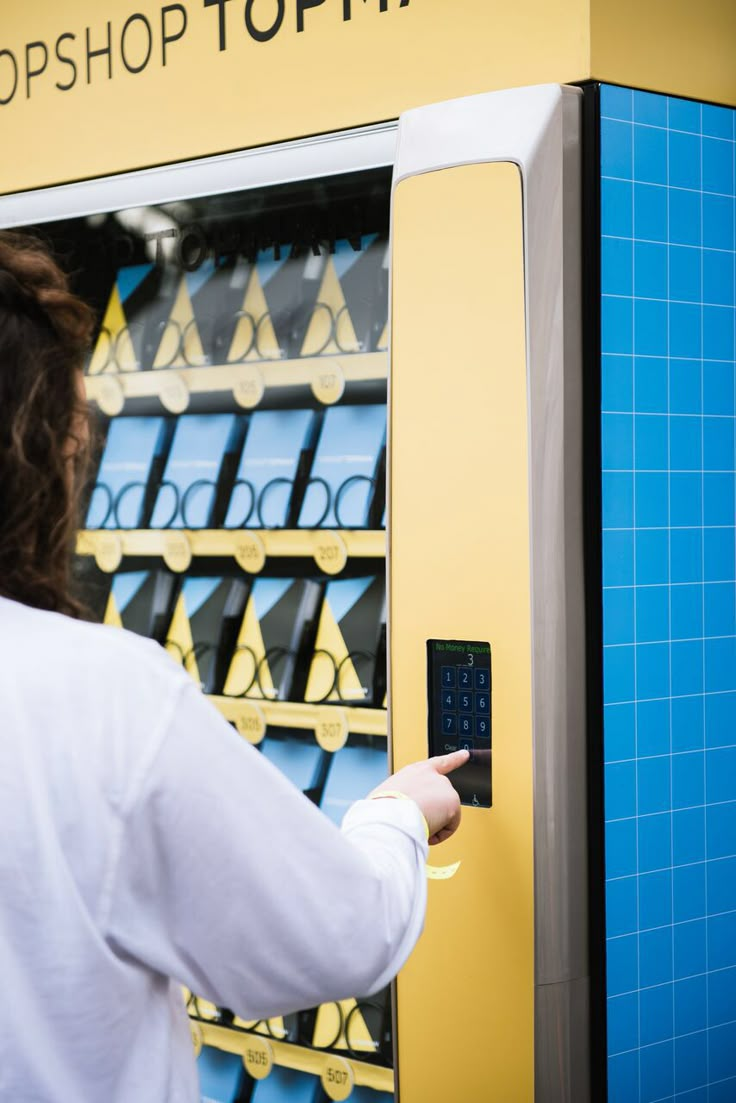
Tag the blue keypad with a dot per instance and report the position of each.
(464, 677)
(460, 710)
(449, 677)
(482, 679)
(465, 704)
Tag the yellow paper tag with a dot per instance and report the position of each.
(442, 873)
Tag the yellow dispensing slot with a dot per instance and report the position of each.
(460, 570)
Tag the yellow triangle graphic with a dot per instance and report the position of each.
(331, 328)
(112, 616)
(241, 668)
(330, 639)
(383, 340)
(254, 337)
(114, 349)
(328, 1027)
(179, 642)
(180, 335)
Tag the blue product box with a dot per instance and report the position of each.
(354, 772)
(188, 491)
(220, 1075)
(118, 499)
(297, 759)
(287, 1086)
(264, 484)
(342, 484)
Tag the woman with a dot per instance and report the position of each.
(145, 845)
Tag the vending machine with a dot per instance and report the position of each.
(414, 391)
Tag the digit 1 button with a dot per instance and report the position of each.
(482, 727)
(448, 677)
(449, 724)
(465, 677)
(482, 679)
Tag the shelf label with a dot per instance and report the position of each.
(248, 387)
(174, 393)
(330, 552)
(197, 1037)
(337, 1078)
(250, 721)
(250, 552)
(328, 383)
(331, 728)
(108, 551)
(258, 1057)
(177, 552)
(110, 395)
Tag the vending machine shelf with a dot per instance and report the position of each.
(331, 724)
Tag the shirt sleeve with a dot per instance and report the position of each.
(228, 879)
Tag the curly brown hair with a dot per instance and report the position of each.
(45, 331)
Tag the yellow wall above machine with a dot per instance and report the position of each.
(161, 96)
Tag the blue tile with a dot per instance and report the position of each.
(718, 222)
(686, 552)
(618, 674)
(718, 500)
(651, 499)
(724, 1092)
(653, 785)
(688, 779)
(616, 149)
(688, 892)
(620, 795)
(687, 612)
(657, 1072)
(650, 155)
(655, 957)
(720, 823)
(623, 1023)
(652, 557)
(684, 115)
(650, 212)
(685, 273)
(655, 899)
(650, 270)
(686, 500)
(652, 615)
(651, 384)
(686, 443)
(721, 997)
(622, 965)
(687, 667)
(720, 664)
(618, 558)
(691, 1063)
(621, 852)
(687, 723)
(655, 843)
(617, 266)
(721, 931)
(721, 876)
(717, 166)
(718, 444)
(684, 160)
(618, 500)
(651, 435)
(617, 208)
(718, 277)
(616, 103)
(717, 332)
(621, 905)
(653, 728)
(650, 108)
(623, 1078)
(718, 388)
(720, 777)
(650, 328)
(688, 837)
(685, 323)
(617, 383)
(720, 719)
(718, 550)
(657, 1014)
(618, 722)
(690, 949)
(617, 322)
(720, 604)
(652, 673)
(722, 1059)
(717, 121)
(617, 442)
(684, 217)
(685, 385)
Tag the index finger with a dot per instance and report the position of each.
(446, 763)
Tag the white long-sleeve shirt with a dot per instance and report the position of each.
(144, 846)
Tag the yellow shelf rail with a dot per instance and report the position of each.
(331, 724)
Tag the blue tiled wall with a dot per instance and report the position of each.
(669, 596)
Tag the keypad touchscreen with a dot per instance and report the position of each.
(459, 691)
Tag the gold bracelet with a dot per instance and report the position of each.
(396, 794)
